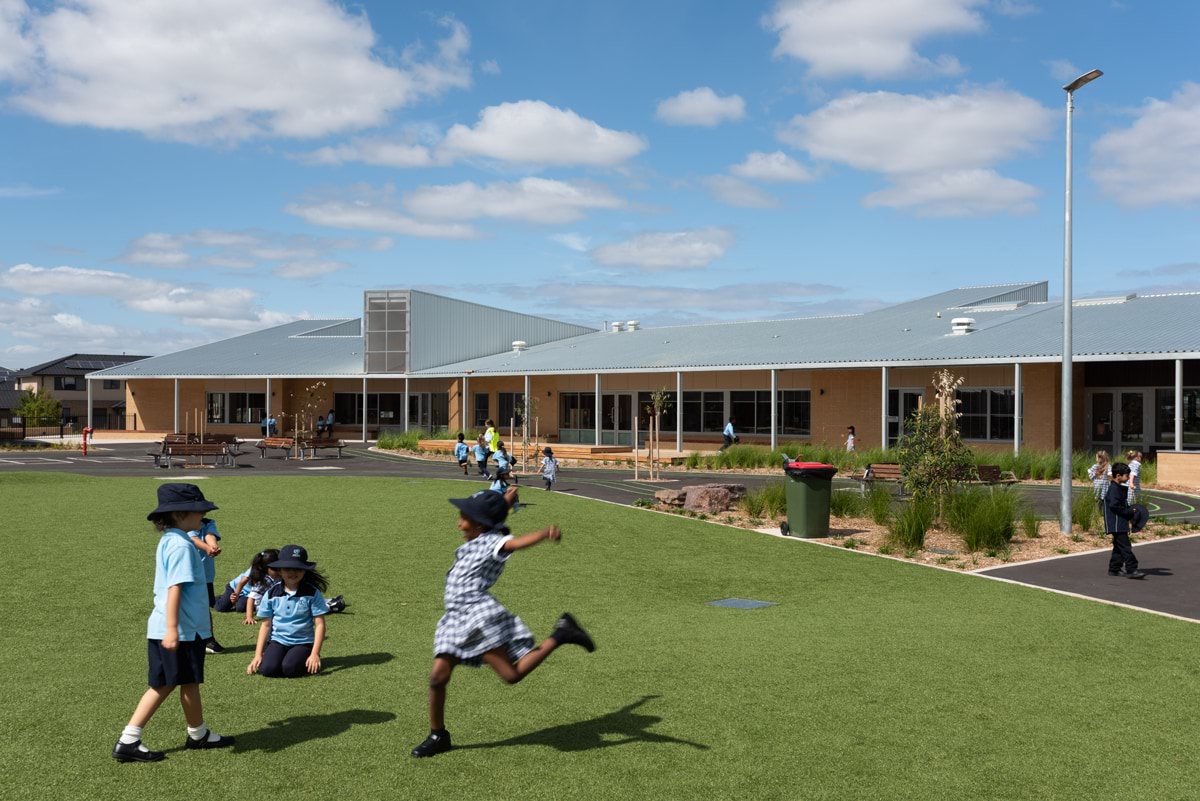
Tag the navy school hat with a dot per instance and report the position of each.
(1141, 516)
(181, 498)
(293, 556)
(487, 508)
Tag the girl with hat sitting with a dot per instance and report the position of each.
(293, 614)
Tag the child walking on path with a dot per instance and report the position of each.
(1121, 519)
(1099, 474)
(460, 453)
(208, 541)
(849, 439)
(293, 612)
(1135, 475)
(476, 627)
(549, 468)
(177, 628)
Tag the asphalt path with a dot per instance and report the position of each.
(1172, 566)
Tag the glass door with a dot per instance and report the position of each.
(1133, 421)
(616, 418)
(1102, 423)
(902, 403)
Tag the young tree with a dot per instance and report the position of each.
(932, 455)
(34, 407)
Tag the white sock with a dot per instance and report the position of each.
(131, 735)
(197, 732)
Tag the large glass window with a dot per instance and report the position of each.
(577, 410)
(645, 410)
(986, 413)
(480, 410)
(236, 407)
(108, 383)
(704, 411)
(795, 412)
(509, 405)
(752, 410)
(216, 407)
(1164, 415)
(382, 407)
(67, 382)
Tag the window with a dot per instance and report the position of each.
(480, 410)
(577, 410)
(382, 407)
(67, 382)
(795, 412)
(704, 411)
(1164, 415)
(670, 412)
(752, 410)
(986, 413)
(509, 403)
(246, 408)
(216, 407)
(110, 384)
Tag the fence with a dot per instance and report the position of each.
(15, 429)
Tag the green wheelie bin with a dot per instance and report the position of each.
(809, 485)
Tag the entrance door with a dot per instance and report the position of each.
(901, 405)
(1133, 421)
(1117, 421)
(616, 418)
(418, 410)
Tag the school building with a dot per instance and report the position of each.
(415, 359)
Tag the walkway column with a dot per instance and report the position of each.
(405, 405)
(1017, 408)
(89, 402)
(464, 408)
(774, 409)
(597, 421)
(1179, 404)
(364, 411)
(679, 411)
(883, 402)
(525, 417)
(176, 431)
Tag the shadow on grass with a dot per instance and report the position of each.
(616, 728)
(336, 663)
(236, 649)
(281, 734)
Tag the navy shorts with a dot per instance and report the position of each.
(212, 597)
(184, 665)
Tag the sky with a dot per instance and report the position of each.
(174, 173)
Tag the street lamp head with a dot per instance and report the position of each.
(1083, 80)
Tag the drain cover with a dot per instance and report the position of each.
(741, 603)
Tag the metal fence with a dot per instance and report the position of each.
(14, 429)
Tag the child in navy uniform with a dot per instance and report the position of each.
(460, 453)
(208, 541)
(177, 628)
(476, 627)
(1121, 519)
(293, 612)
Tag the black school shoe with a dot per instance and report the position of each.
(213, 647)
(222, 741)
(569, 632)
(132, 752)
(436, 743)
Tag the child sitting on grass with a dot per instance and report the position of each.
(293, 612)
(476, 628)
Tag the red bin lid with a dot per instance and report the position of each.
(808, 466)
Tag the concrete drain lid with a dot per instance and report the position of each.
(741, 603)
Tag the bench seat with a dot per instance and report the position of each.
(284, 444)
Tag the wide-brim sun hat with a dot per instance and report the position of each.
(487, 508)
(293, 556)
(1141, 516)
(181, 498)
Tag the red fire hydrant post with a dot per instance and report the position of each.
(87, 432)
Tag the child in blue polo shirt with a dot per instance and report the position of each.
(237, 593)
(177, 628)
(481, 456)
(460, 453)
(293, 614)
(208, 541)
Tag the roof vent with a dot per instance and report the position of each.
(632, 325)
(616, 328)
(1104, 301)
(519, 345)
(962, 325)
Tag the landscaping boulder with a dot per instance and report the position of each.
(670, 497)
(712, 498)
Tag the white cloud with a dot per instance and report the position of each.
(675, 250)
(701, 106)
(301, 269)
(222, 70)
(236, 250)
(536, 200)
(367, 216)
(930, 147)
(577, 242)
(23, 190)
(777, 166)
(736, 192)
(534, 132)
(1157, 158)
(490, 67)
(1063, 71)
(1015, 8)
(869, 38)
(380, 152)
(16, 50)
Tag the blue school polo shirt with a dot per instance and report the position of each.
(292, 614)
(210, 567)
(460, 451)
(177, 562)
(233, 582)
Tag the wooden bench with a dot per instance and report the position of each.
(221, 455)
(313, 445)
(992, 475)
(161, 454)
(231, 440)
(878, 472)
(284, 444)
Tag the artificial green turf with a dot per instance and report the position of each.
(869, 679)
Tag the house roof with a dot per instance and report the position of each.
(78, 364)
(9, 398)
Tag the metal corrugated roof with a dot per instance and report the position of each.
(78, 364)
(304, 348)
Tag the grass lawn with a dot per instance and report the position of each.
(870, 679)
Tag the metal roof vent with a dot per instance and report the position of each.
(519, 345)
(632, 325)
(962, 325)
(616, 328)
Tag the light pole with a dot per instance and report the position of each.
(1065, 441)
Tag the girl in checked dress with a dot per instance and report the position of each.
(476, 628)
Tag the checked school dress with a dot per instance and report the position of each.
(475, 622)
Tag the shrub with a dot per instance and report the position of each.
(644, 503)
(1084, 511)
(932, 455)
(984, 519)
(1031, 524)
(693, 461)
(774, 499)
(400, 440)
(907, 530)
(879, 504)
(847, 503)
(753, 503)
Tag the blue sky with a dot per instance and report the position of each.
(174, 172)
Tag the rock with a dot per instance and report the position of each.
(708, 498)
(670, 497)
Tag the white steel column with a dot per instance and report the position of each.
(405, 405)
(883, 402)
(364, 411)
(679, 411)
(464, 407)
(1179, 404)
(774, 409)
(89, 402)
(597, 421)
(176, 431)
(1017, 408)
